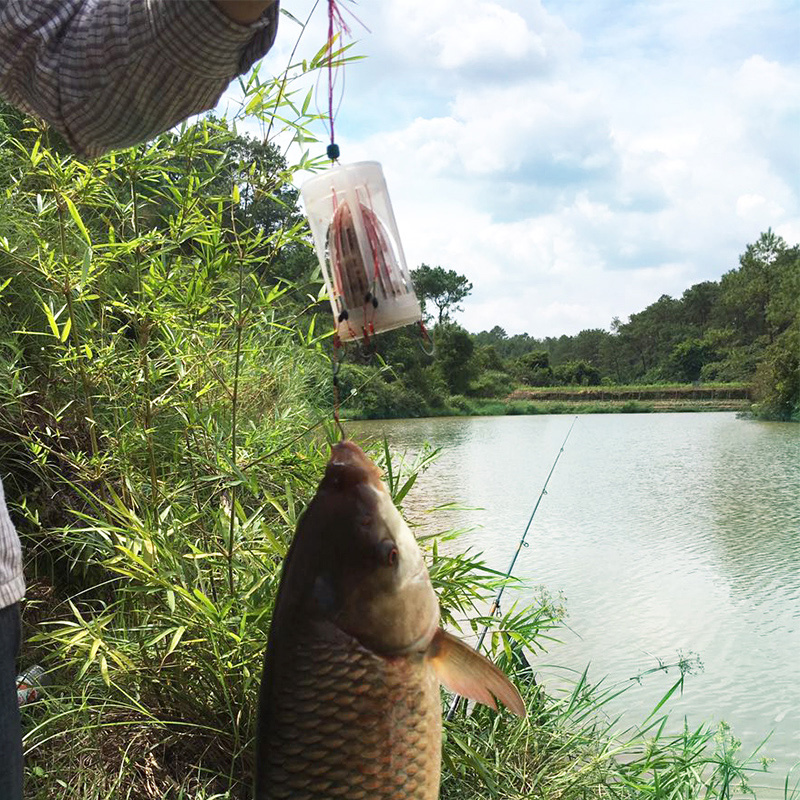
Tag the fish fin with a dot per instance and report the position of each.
(466, 672)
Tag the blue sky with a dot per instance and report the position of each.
(575, 159)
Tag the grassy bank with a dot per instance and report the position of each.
(576, 400)
(720, 392)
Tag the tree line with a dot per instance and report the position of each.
(743, 328)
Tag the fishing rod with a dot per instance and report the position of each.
(496, 604)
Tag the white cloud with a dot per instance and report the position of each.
(490, 33)
(472, 35)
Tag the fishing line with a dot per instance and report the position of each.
(337, 365)
(426, 337)
(320, 421)
(334, 20)
(336, 28)
(354, 229)
(522, 543)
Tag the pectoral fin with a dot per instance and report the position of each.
(466, 672)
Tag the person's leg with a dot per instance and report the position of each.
(10, 729)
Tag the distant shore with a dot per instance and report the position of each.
(643, 399)
(594, 400)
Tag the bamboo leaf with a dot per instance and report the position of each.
(176, 637)
(205, 601)
(73, 212)
(398, 498)
(104, 670)
(51, 320)
(87, 263)
(387, 457)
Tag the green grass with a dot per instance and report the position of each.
(636, 387)
(476, 407)
(460, 405)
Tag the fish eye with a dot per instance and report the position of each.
(389, 552)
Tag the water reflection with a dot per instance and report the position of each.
(667, 533)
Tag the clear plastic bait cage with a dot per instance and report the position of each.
(359, 250)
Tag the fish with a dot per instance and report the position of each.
(349, 704)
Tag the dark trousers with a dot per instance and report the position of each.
(10, 730)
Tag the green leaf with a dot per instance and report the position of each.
(87, 263)
(205, 601)
(398, 498)
(73, 212)
(176, 637)
(387, 456)
(51, 320)
(104, 670)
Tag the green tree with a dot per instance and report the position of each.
(647, 339)
(698, 304)
(444, 288)
(454, 349)
(576, 373)
(777, 379)
(687, 359)
(534, 369)
(745, 292)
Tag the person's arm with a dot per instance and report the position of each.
(111, 73)
(243, 11)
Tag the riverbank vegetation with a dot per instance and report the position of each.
(163, 422)
(742, 331)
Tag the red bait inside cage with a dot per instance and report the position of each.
(359, 250)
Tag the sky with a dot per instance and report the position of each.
(575, 159)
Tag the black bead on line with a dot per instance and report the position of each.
(333, 151)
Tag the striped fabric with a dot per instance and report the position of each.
(12, 584)
(111, 73)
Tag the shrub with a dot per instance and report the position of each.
(491, 383)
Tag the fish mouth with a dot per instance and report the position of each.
(349, 466)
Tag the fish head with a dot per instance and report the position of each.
(367, 574)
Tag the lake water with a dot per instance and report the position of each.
(667, 534)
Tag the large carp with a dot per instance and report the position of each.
(350, 704)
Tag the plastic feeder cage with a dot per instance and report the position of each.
(359, 250)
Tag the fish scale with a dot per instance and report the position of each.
(345, 722)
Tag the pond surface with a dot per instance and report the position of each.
(668, 535)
